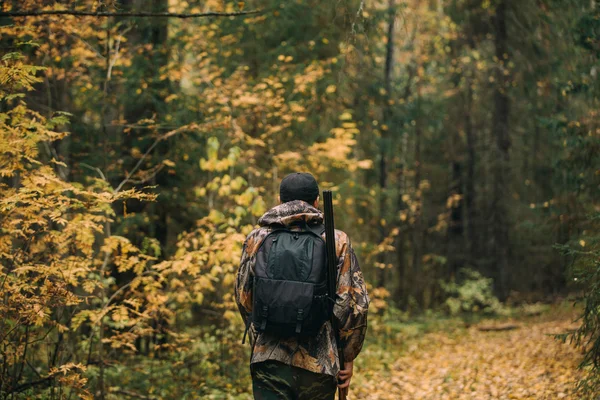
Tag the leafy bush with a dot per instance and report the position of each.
(56, 254)
(471, 293)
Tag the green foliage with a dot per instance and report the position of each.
(585, 275)
(471, 293)
(580, 161)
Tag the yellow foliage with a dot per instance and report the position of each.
(56, 247)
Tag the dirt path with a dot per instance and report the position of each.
(526, 363)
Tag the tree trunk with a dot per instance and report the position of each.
(500, 130)
(402, 285)
(387, 113)
(417, 232)
(470, 191)
(455, 251)
(152, 34)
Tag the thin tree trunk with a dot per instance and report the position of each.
(455, 251)
(417, 232)
(402, 286)
(387, 113)
(500, 130)
(470, 188)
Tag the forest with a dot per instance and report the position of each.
(140, 142)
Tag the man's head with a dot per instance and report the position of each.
(299, 186)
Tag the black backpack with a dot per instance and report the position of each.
(290, 295)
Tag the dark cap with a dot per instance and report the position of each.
(298, 186)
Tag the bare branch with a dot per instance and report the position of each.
(33, 369)
(112, 62)
(121, 289)
(149, 175)
(358, 14)
(28, 385)
(141, 160)
(98, 170)
(126, 14)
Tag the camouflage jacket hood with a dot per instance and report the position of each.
(290, 212)
(319, 353)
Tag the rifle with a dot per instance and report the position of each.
(332, 273)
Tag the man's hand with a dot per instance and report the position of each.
(344, 376)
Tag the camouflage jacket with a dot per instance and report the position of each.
(317, 354)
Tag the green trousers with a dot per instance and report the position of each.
(273, 380)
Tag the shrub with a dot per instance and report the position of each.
(471, 293)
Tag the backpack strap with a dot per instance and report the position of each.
(319, 229)
(264, 314)
(299, 319)
(247, 322)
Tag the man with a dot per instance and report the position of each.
(303, 367)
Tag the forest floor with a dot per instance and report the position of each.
(453, 363)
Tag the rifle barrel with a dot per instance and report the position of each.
(332, 270)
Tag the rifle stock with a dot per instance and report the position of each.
(332, 272)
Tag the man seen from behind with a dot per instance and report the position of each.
(294, 353)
